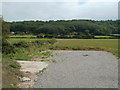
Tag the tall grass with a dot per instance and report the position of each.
(110, 45)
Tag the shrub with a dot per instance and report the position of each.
(39, 42)
(22, 57)
(7, 48)
(43, 42)
(52, 41)
(22, 44)
(40, 35)
(14, 65)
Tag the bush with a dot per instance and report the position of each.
(22, 57)
(7, 48)
(43, 42)
(52, 41)
(14, 65)
(22, 44)
(40, 36)
(39, 42)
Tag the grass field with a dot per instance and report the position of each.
(115, 34)
(22, 36)
(103, 36)
(15, 40)
(110, 45)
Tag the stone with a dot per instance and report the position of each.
(24, 79)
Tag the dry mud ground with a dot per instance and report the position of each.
(30, 69)
(80, 69)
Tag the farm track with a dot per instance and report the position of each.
(80, 69)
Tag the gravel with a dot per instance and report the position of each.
(80, 69)
(30, 68)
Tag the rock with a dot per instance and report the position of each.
(24, 79)
(27, 72)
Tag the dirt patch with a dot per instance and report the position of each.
(30, 69)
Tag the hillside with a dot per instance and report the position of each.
(65, 27)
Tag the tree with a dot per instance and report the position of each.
(6, 47)
(5, 30)
(66, 27)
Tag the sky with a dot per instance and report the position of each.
(60, 10)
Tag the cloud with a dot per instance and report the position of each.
(13, 11)
(59, 0)
(0, 8)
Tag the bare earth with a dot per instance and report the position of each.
(30, 69)
(80, 69)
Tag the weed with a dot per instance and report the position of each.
(10, 73)
(14, 65)
(22, 57)
(22, 44)
(85, 55)
(41, 71)
(54, 61)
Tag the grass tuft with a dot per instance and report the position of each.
(85, 55)
(14, 65)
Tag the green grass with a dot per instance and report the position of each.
(23, 57)
(46, 54)
(14, 65)
(27, 50)
(41, 71)
(110, 45)
(115, 34)
(85, 55)
(15, 40)
(103, 36)
(22, 36)
(10, 72)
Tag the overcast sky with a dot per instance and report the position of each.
(80, 9)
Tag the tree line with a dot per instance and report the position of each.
(65, 28)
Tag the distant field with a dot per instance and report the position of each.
(14, 40)
(102, 36)
(96, 37)
(93, 44)
(115, 34)
(22, 36)
(110, 45)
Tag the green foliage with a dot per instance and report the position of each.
(46, 54)
(7, 48)
(41, 35)
(40, 42)
(10, 69)
(5, 30)
(85, 55)
(53, 29)
(22, 36)
(54, 61)
(52, 41)
(14, 65)
(23, 57)
(44, 42)
(107, 37)
(41, 71)
(35, 42)
(22, 44)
